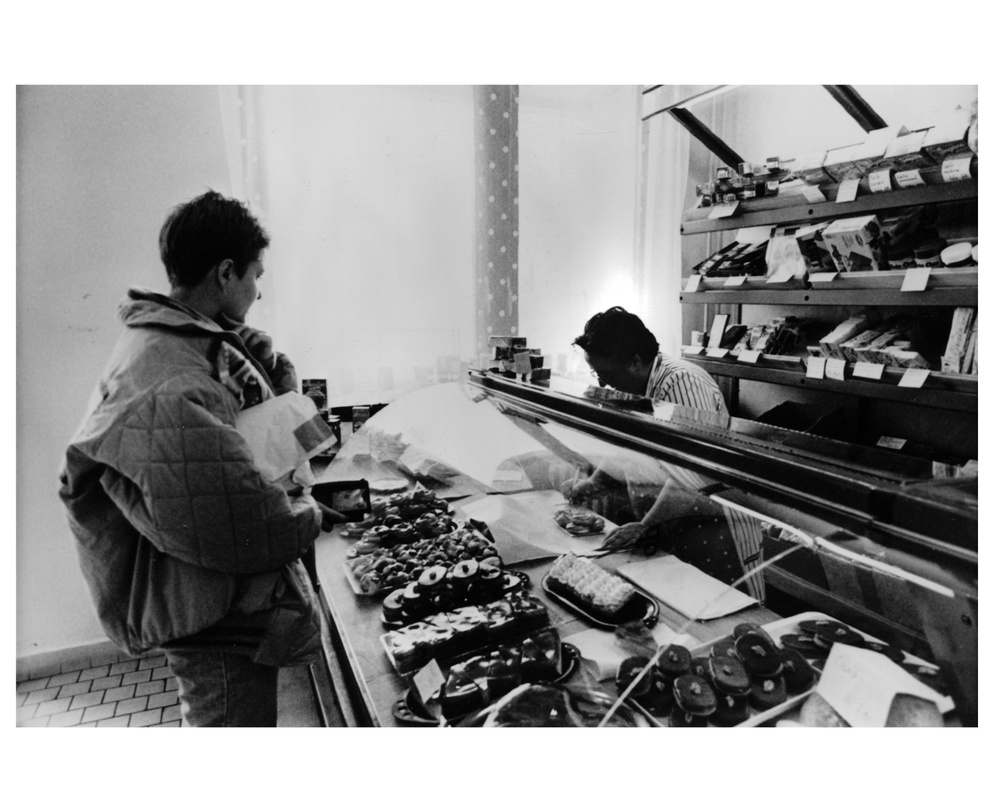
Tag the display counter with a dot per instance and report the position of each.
(501, 453)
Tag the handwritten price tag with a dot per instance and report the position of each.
(916, 279)
(692, 284)
(724, 210)
(868, 371)
(911, 178)
(692, 350)
(428, 680)
(718, 352)
(880, 181)
(956, 169)
(891, 442)
(826, 276)
(816, 367)
(735, 282)
(848, 190)
(748, 356)
(835, 368)
(914, 378)
(812, 193)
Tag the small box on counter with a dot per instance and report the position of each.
(853, 243)
(316, 391)
(502, 347)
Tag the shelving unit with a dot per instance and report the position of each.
(954, 396)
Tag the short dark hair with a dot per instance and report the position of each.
(206, 230)
(619, 335)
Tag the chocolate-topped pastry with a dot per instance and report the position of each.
(681, 718)
(414, 604)
(674, 661)
(798, 673)
(659, 701)
(728, 675)
(432, 580)
(751, 628)
(628, 670)
(893, 653)
(489, 584)
(700, 666)
(730, 710)
(694, 695)
(827, 632)
(758, 655)
(724, 647)
(464, 573)
(768, 693)
(805, 645)
(460, 695)
(392, 606)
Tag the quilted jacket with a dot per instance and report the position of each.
(175, 527)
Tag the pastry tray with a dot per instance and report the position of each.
(513, 580)
(640, 607)
(776, 629)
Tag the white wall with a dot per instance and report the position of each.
(98, 168)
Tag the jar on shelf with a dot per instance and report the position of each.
(928, 253)
(900, 256)
(958, 255)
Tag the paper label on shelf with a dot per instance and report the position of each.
(916, 279)
(692, 349)
(891, 442)
(914, 378)
(957, 169)
(428, 680)
(816, 367)
(719, 324)
(734, 282)
(812, 193)
(880, 181)
(718, 352)
(781, 275)
(748, 356)
(860, 685)
(724, 210)
(692, 284)
(909, 178)
(835, 368)
(826, 276)
(868, 371)
(848, 190)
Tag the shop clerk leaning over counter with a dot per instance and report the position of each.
(624, 354)
(184, 544)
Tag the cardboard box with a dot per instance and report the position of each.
(854, 243)
(962, 322)
(829, 344)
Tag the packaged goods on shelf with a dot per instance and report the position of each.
(904, 152)
(854, 244)
(734, 260)
(808, 168)
(797, 250)
(830, 344)
(838, 163)
(873, 352)
(962, 327)
(904, 358)
(512, 357)
(948, 136)
(779, 336)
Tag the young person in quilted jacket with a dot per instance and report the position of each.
(184, 544)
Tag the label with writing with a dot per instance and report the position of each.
(835, 368)
(428, 680)
(880, 181)
(826, 276)
(916, 279)
(733, 282)
(816, 367)
(748, 356)
(956, 169)
(692, 283)
(914, 378)
(724, 210)
(812, 193)
(692, 349)
(860, 685)
(911, 178)
(718, 352)
(891, 442)
(868, 371)
(848, 190)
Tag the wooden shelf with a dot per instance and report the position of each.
(946, 391)
(792, 207)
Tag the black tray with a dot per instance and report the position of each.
(412, 712)
(639, 608)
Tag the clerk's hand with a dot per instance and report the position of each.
(331, 517)
(626, 535)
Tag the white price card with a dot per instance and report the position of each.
(718, 352)
(816, 367)
(956, 169)
(724, 210)
(911, 178)
(891, 442)
(826, 276)
(428, 680)
(692, 349)
(916, 279)
(880, 181)
(692, 284)
(735, 282)
(812, 193)
(748, 356)
(848, 190)
(868, 370)
(860, 685)
(835, 368)
(914, 378)
(781, 275)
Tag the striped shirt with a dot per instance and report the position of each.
(682, 383)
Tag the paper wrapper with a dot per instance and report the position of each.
(284, 433)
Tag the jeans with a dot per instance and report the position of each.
(217, 689)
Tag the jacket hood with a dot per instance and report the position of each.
(145, 308)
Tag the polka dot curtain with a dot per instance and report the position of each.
(495, 109)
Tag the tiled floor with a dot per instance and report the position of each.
(133, 693)
(137, 693)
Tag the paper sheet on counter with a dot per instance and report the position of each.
(524, 526)
(685, 588)
(600, 647)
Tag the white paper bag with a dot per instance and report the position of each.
(284, 433)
